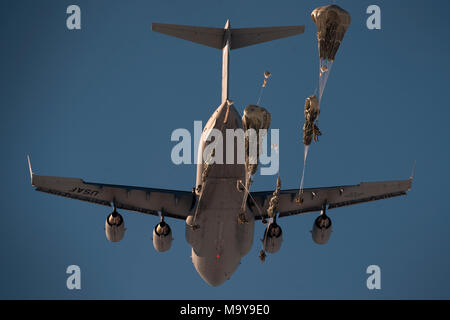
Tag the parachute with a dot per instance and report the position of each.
(267, 75)
(256, 118)
(274, 201)
(332, 22)
(310, 130)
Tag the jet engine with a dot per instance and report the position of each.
(273, 237)
(321, 230)
(162, 237)
(114, 227)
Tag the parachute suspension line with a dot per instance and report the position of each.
(324, 72)
(332, 23)
(325, 68)
(253, 199)
(267, 75)
(325, 64)
(255, 118)
(303, 171)
(260, 96)
(272, 212)
(248, 183)
(206, 169)
(262, 253)
(310, 132)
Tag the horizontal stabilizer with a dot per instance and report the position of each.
(214, 37)
(243, 37)
(211, 37)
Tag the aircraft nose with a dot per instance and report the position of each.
(212, 270)
(214, 279)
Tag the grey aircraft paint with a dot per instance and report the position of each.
(218, 240)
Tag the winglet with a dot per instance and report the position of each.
(411, 178)
(413, 171)
(29, 167)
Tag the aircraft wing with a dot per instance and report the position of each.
(172, 203)
(314, 199)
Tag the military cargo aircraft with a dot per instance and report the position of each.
(219, 239)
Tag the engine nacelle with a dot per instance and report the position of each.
(114, 227)
(321, 230)
(273, 237)
(162, 237)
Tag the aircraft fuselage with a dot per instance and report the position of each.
(218, 240)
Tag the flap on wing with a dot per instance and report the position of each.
(334, 197)
(172, 203)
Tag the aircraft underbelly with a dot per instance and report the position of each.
(222, 240)
(218, 241)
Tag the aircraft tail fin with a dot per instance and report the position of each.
(227, 39)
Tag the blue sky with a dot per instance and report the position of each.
(101, 103)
